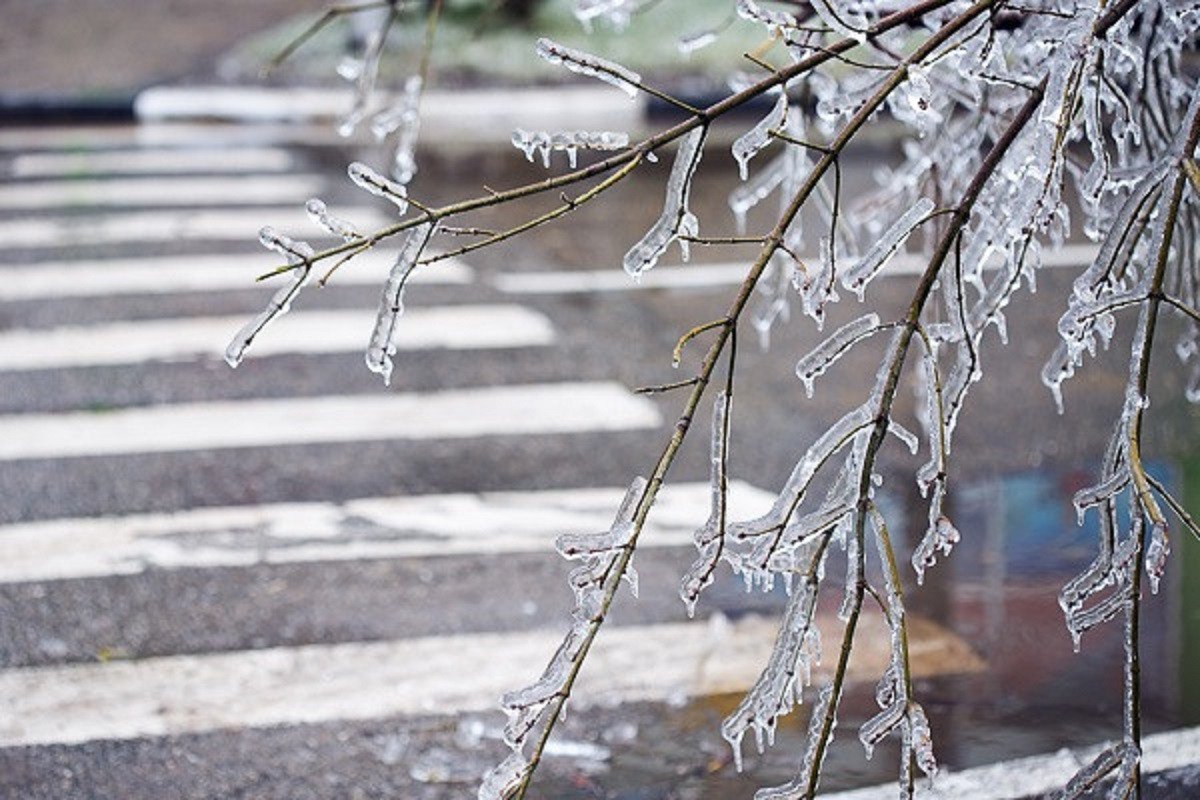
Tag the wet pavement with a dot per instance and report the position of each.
(1000, 680)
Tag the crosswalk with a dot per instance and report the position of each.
(90, 648)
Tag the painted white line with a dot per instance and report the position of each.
(90, 138)
(170, 226)
(703, 276)
(180, 274)
(189, 339)
(97, 164)
(1037, 775)
(459, 114)
(369, 528)
(435, 675)
(153, 191)
(493, 411)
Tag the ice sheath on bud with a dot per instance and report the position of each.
(382, 346)
(676, 221)
(297, 254)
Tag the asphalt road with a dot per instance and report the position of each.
(288, 581)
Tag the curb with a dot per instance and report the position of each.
(55, 109)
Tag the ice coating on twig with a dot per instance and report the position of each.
(775, 21)
(874, 730)
(842, 21)
(502, 779)
(617, 12)
(941, 537)
(784, 172)
(592, 66)
(857, 277)
(526, 707)
(1156, 555)
(746, 146)
(676, 221)
(1094, 495)
(371, 181)
(780, 685)
(391, 305)
(298, 254)
(921, 739)
(824, 355)
(709, 537)
(599, 552)
(571, 142)
(319, 213)
(405, 117)
(363, 71)
(1094, 771)
(906, 437)
(836, 437)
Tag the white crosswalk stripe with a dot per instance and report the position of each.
(183, 274)
(417, 526)
(443, 327)
(170, 226)
(159, 162)
(451, 414)
(432, 675)
(243, 190)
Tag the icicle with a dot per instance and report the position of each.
(746, 146)
(1076, 591)
(319, 213)
(599, 552)
(877, 727)
(708, 536)
(778, 688)
(592, 66)
(857, 277)
(297, 254)
(363, 71)
(906, 436)
(1156, 555)
(570, 142)
(1084, 620)
(941, 536)
(747, 195)
(1059, 367)
(922, 739)
(816, 724)
(836, 437)
(404, 160)
(817, 289)
(391, 305)
(824, 355)
(1101, 492)
(676, 220)
(501, 780)
(525, 706)
(854, 575)
(371, 181)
